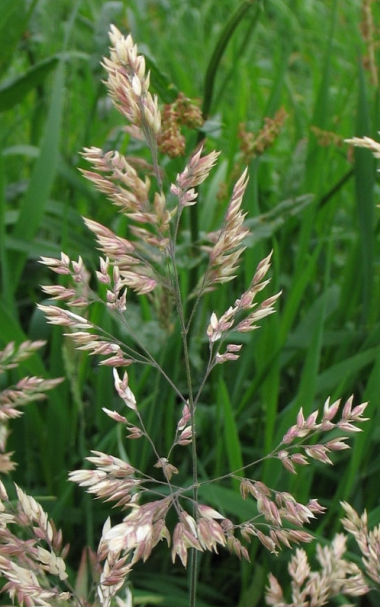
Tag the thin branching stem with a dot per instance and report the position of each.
(152, 361)
(191, 404)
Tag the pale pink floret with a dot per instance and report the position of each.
(128, 84)
(124, 390)
(219, 328)
(185, 437)
(226, 245)
(183, 539)
(195, 173)
(210, 533)
(274, 595)
(167, 467)
(186, 417)
(329, 411)
(59, 266)
(366, 142)
(208, 512)
(138, 528)
(57, 316)
(115, 416)
(336, 577)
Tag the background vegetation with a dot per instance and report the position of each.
(309, 198)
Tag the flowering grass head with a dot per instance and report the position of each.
(144, 262)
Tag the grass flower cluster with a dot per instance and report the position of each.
(140, 265)
(145, 263)
(338, 575)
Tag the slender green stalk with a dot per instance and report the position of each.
(4, 266)
(337, 187)
(192, 405)
(218, 53)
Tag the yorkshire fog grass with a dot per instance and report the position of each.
(281, 88)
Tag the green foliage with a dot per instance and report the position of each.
(313, 204)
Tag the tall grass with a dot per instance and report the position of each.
(313, 204)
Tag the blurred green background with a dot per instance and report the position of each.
(310, 198)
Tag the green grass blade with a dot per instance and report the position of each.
(218, 53)
(269, 389)
(14, 18)
(294, 297)
(315, 153)
(231, 434)
(309, 377)
(14, 91)
(12, 331)
(12, 23)
(4, 266)
(34, 203)
(364, 173)
(345, 371)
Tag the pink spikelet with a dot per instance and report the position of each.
(226, 245)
